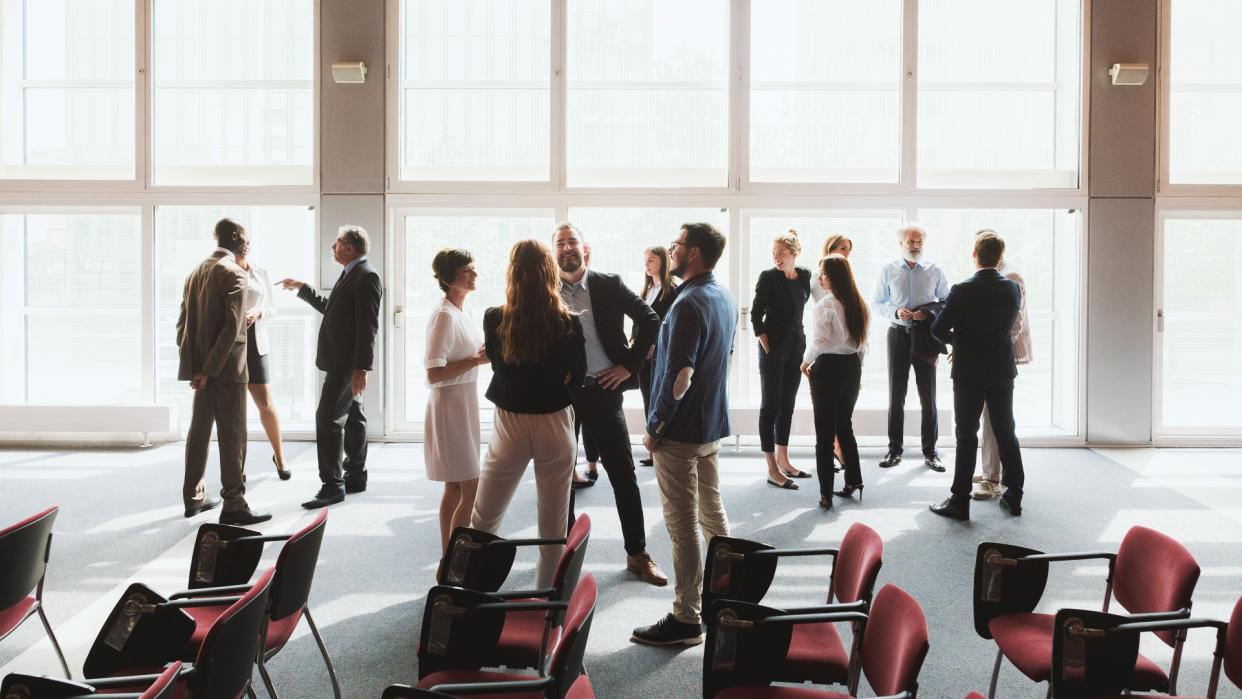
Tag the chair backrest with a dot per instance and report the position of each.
(24, 550)
(226, 658)
(162, 688)
(569, 566)
(567, 659)
(1154, 573)
(858, 564)
(896, 642)
(975, 695)
(295, 569)
(1233, 646)
(1090, 658)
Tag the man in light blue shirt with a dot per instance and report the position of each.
(906, 293)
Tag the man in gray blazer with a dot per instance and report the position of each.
(211, 336)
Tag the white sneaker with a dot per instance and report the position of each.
(986, 490)
(976, 478)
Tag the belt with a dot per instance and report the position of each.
(896, 326)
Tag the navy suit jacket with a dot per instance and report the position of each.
(976, 319)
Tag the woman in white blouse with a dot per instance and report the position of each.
(833, 364)
(259, 310)
(451, 436)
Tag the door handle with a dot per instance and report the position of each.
(398, 317)
(1159, 320)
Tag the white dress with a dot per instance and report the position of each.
(451, 436)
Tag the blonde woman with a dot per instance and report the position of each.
(536, 347)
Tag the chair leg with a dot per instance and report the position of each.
(1176, 666)
(1049, 694)
(55, 644)
(267, 679)
(336, 686)
(995, 674)
(250, 692)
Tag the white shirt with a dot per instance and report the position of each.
(578, 297)
(451, 336)
(828, 332)
(259, 295)
(653, 294)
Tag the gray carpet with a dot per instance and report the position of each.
(121, 510)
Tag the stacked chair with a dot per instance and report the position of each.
(1151, 576)
(25, 548)
(164, 686)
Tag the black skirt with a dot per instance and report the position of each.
(256, 364)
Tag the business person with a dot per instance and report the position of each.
(781, 294)
(211, 340)
(345, 353)
(977, 319)
(535, 344)
(260, 309)
(659, 290)
(836, 244)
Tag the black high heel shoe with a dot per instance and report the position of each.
(285, 474)
(848, 491)
(825, 502)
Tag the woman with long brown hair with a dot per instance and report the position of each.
(659, 289)
(833, 364)
(536, 348)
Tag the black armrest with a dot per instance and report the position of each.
(1171, 624)
(1182, 613)
(1062, 557)
(513, 686)
(261, 539)
(521, 606)
(105, 682)
(812, 618)
(859, 606)
(782, 553)
(526, 542)
(201, 602)
(208, 591)
(514, 594)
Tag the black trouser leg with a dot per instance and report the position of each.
(824, 406)
(644, 386)
(601, 413)
(1000, 411)
(898, 382)
(925, 382)
(851, 383)
(791, 379)
(356, 439)
(589, 446)
(336, 402)
(968, 404)
(771, 366)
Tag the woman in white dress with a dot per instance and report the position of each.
(259, 310)
(451, 436)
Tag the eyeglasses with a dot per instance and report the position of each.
(674, 245)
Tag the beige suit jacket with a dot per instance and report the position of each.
(1021, 330)
(211, 330)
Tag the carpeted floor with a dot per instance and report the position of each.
(121, 521)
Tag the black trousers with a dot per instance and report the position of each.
(900, 360)
(599, 411)
(780, 375)
(968, 402)
(588, 442)
(339, 421)
(835, 381)
(644, 385)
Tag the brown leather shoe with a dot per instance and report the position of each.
(646, 569)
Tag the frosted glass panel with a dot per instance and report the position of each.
(1205, 100)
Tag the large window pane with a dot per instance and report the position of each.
(825, 102)
(233, 92)
(67, 88)
(648, 102)
(474, 98)
(1205, 101)
(71, 309)
(1202, 338)
(999, 93)
(283, 241)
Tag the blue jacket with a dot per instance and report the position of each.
(697, 334)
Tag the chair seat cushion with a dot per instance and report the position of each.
(279, 631)
(204, 617)
(581, 689)
(471, 676)
(13, 616)
(763, 691)
(816, 654)
(518, 645)
(1026, 640)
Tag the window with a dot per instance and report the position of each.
(647, 92)
(233, 96)
(284, 242)
(475, 90)
(67, 86)
(1201, 342)
(825, 91)
(999, 93)
(71, 308)
(1205, 100)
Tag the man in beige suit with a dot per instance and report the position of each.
(211, 334)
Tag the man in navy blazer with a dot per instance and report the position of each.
(976, 320)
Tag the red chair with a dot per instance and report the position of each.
(24, 551)
(743, 570)
(975, 695)
(746, 641)
(1150, 576)
(565, 679)
(480, 561)
(28, 687)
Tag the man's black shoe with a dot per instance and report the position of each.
(890, 460)
(933, 462)
(327, 495)
(206, 504)
(669, 632)
(1011, 505)
(646, 462)
(952, 510)
(246, 516)
(356, 483)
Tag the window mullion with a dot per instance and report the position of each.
(909, 95)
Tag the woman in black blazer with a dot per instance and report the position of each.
(659, 290)
(776, 316)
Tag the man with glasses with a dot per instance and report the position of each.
(688, 416)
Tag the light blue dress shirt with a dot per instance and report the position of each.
(578, 297)
(903, 286)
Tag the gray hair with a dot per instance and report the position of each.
(355, 237)
(910, 226)
(567, 226)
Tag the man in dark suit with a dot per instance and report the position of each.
(346, 352)
(603, 301)
(976, 320)
(211, 338)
